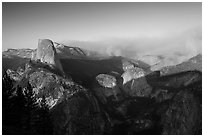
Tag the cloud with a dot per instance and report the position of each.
(175, 48)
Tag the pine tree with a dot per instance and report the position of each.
(30, 106)
(44, 124)
(21, 111)
(7, 85)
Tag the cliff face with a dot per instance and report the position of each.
(46, 53)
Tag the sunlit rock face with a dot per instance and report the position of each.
(46, 53)
(51, 86)
(45, 83)
(106, 80)
(133, 73)
(13, 75)
(106, 89)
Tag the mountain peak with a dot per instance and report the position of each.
(46, 53)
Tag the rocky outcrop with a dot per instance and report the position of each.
(13, 75)
(132, 73)
(72, 109)
(39, 100)
(138, 88)
(44, 83)
(106, 88)
(106, 80)
(133, 70)
(46, 53)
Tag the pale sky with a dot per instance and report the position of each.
(24, 23)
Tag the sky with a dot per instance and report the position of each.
(114, 28)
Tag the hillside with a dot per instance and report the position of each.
(194, 63)
(95, 95)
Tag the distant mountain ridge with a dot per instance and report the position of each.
(194, 63)
(64, 51)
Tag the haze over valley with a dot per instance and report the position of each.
(102, 68)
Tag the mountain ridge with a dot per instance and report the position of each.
(111, 95)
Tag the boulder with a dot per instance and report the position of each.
(105, 87)
(106, 80)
